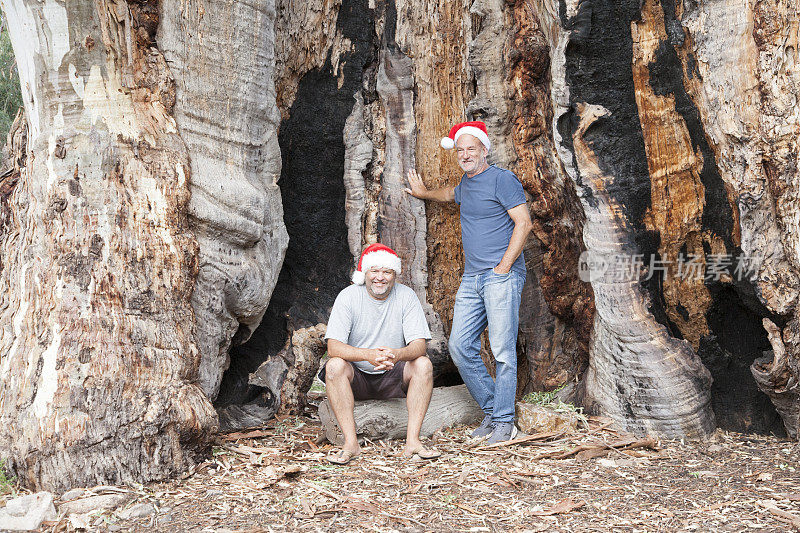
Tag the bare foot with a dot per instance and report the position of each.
(343, 456)
(420, 452)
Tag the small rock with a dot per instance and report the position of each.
(80, 521)
(532, 418)
(137, 511)
(27, 513)
(94, 503)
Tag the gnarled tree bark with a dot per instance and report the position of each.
(98, 354)
(143, 235)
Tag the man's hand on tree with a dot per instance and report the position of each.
(418, 188)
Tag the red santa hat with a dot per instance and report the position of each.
(376, 255)
(475, 128)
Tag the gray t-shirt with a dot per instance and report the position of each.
(361, 321)
(486, 226)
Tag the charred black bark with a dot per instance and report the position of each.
(738, 340)
(598, 71)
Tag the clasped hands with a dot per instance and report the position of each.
(382, 358)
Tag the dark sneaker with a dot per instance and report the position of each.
(502, 432)
(485, 429)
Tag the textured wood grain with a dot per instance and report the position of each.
(739, 63)
(776, 374)
(677, 193)
(645, 380)
(98, 355)
(226, 114)
(302, 357)
(558, 309)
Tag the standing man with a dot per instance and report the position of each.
(494, 225)
(377, 338)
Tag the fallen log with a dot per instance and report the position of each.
(388, 419)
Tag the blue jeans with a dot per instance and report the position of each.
(488, 299)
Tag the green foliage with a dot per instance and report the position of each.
(541, 397)
(8, 483)
(549, 399)
(317, 386)
(10, 91)
(289, 425)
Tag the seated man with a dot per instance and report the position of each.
(377, 337)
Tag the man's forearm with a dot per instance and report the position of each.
(347, 352)
(414, 349)
(515, 245)
(445, 194)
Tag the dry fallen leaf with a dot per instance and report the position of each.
(362, 506)
(564, 506)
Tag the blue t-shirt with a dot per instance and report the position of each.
(486, 227)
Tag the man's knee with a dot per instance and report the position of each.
(504, 348)
(421, 367)
(455, 348)
(337, 368)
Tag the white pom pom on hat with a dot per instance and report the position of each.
(475, 128)
(376, 255)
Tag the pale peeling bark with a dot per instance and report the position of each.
(357, 156)
(402, 218)
(721, 38)
(98, 356)
(226, 113)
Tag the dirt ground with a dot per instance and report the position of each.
(276, 478)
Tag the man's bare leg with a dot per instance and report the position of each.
(418, 375)
(338, 378)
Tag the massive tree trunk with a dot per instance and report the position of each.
(143, 236)
(651, 171)
(226, 114)
(690, 159)
(145, 231)
(98, 352)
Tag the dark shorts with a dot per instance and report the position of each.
(376, 386)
